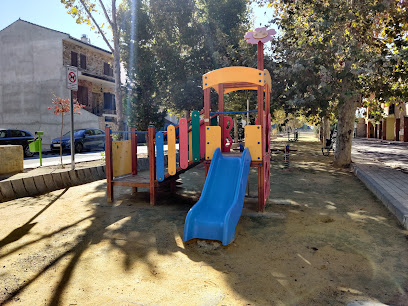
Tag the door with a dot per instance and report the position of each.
(397, 129)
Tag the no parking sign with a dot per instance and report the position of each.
(72, 78)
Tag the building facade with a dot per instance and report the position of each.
(394, 125)
(33, 62)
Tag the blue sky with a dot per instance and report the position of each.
(52, 14)
(48, 13)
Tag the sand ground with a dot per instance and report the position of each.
(324, 239)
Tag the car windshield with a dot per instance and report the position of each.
(76, 133)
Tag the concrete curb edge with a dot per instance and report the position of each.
(36, 185)
(388, 200)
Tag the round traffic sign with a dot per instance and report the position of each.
(72, 77)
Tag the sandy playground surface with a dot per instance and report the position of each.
(324, 239)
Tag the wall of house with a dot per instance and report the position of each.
(98, 83)
(31, 70)
(401, 111)
(390, 130)
(94, 59)
(361, 130)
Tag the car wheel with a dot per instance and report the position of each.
(27, 152)
(79, 147)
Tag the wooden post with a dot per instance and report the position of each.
(133, 142)
(260, 56)
(261, 188)
(173, 186)
(108, 160)
(206, 116)
(221, 116)
(152, 164)
(207, 106)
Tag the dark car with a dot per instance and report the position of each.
(84, 139)
(17, 137)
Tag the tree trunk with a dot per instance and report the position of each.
(116, 58)
(186, 114)
(345, 127)
(325, 129)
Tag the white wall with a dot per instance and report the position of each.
(31, 70)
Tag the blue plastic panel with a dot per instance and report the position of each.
(159, 156)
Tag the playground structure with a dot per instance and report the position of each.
(205, 138)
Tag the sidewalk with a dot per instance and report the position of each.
(382, 167)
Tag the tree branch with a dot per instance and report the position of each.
(114, 22)
(105, 12)
(97, 25)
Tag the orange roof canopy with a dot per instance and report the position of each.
(237, 78)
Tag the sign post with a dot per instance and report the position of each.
(72, 84)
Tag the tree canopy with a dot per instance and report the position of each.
(331, 54)
(169, 44)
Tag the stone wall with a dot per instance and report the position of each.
(94, 59)
(361, 128)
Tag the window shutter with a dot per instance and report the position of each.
(83, 61)
(74, 59)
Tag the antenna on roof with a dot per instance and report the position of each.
(85, 39)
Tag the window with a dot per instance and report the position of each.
(88, 132)
(83, 61)
(83, 95)
(391, 109)
(3, 134)
(98, 132)
(17, 133)
(109, 101)
(74, 59)
(107, 69)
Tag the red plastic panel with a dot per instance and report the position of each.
(202, 138)
(183, 143)
(225, 147)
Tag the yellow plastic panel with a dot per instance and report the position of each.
(171, 142)
(233, 75)
(267, 79)
(212, 140)
(121, 157)
(253, 141)
(190, 146)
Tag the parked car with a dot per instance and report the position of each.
(17, 137)
(84, 139)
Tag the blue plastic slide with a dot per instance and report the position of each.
(216, 214)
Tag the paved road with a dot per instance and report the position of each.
(52, 159)
(390, 153)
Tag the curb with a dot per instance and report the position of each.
(43, 183)
(40, 184)
(393, 205)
